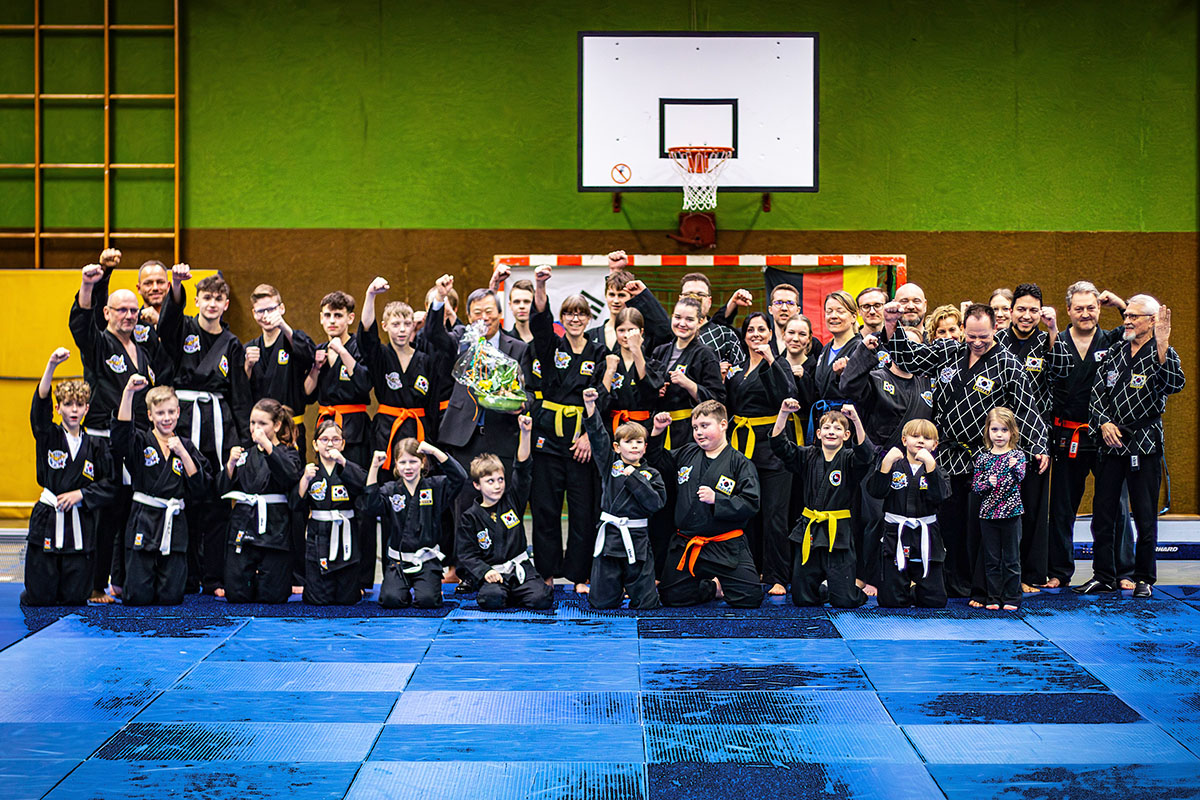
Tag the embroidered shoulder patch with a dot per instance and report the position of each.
(150, 455)
(57, 458)
(541, 441)
(393, 380)
(923, 484)
(835, 478)
(343, 375)
(889, 387)
(899, 480)
(141, 333)
(89, 470)
(587, 367)
(317, 490)
(537, 368)
(618, 380)
(984, 384)
(339, 492)
(1137, 381)
(683, 474)
(484, 539)
(241, 460)
(1034, 364)
(177, 466)
(562, 360)
(618, 468)
(927, 396)
(647, 474)
(191, 343)
(398, 502)
(223, 366)
(947, 374)
(116, 363)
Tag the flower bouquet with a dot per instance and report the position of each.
(495, 380)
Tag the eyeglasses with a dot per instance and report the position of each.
(870, 307)
(575, 315)
(1127, 315)
(784, 303)
(262, 312)
(329, 440)
(130, 311)
(695, 295)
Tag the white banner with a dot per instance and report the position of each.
(566, 281)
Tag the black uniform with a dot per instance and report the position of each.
(61, 544)
(343, 396)
(631, 396)
(723, 341)
(1131, 391)
(754, 398)
(963, 394)
(258, 563)
(912, 542)
(709, 540)
(820, 388)
(823, 552)
(493, 538)
(332, 544)
(697, 362)
(557, 422)
(412, 572)
(656, 325)
(408, 396)
(156, 537)
(622, 562)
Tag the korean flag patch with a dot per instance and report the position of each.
(425, 497)
(923, 484)
(541, 440)
(562, 360)
(223, 366)
(835, 478)
(587, 367)
(151, 456)
(191, 343)
(46, 544)
(141, 333)
(116, 363)
(137, 540)
(338, 492)
(618, 380)
(889, 387)
(1100, 355)
(899, 480)
(398, 502)
(484, 539)
(725, 485)
(282, 357)
(927, 396)
(984, 384)
(177, 466)
(1034, 364)
(89, 470)
(947, 374)
(317, 490)
(684, 474)
(343, 375)
(421, 384)
(57, 458)
(325, 563)
(393, 380)
(1137, 381)
(510, 519)
(537, 368)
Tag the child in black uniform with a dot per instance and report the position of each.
(328, 489)
(491, 533)
(77, 478)
(412, 508)
(911, 487)
(167, 473)
(258, 548)
(829, 474)
(630, 493)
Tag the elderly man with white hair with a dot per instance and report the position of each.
(1129, 396)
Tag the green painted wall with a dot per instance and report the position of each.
(980, 115)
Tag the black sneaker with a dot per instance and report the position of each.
(466, 586)
(1142, 589)
(1093, 586)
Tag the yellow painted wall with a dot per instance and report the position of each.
(37, 304)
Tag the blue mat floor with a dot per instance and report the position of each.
(1069, 698)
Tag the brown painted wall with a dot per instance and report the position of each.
(950, 266)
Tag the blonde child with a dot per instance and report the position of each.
(998, 474)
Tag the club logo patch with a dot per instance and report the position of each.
(683, 474)
(1137, 381)
(618, 380)
(733, 370)
(191, 343)
(889, 387)
(57, 458)
(141, 333)
(343, 375)
(1100, 355)
(282, 357)
(116, 363)
(1034, 364)
(46, 544)
(484, 539)
(151, 456)
(947, 374)
(681, 369)
(561, 360)
(537, 368)
(541, 440)
(984, 384)
(618, 468)
(325, 563)
(725, 485)
(835, 478)
(421, 384)
(922, 483)
(177, 466)
(317, 490)
(89, 470)
(884, 358)
(645, 473)
(241, 460)
(425, 497)
(510, 519)
(338, 492)
(1110, 379)
(398, 503)
(393, 380)
(587, 367)
(223, 367)
(899, 480)
(927, 396)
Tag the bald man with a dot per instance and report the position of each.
(153, 283)
(912, 307)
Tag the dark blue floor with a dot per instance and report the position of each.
(1070, 698)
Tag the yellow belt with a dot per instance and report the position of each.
(298, 420)
(749, 423)
(676, 416)
(821, 516)
(560, 410)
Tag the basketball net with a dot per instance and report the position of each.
(699, 167)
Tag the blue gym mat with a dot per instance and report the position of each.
(1070, 697)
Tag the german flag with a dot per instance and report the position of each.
(815, 285)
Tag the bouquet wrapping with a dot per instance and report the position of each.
(495, 380)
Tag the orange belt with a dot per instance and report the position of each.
(442, 406)
(625, 415)
(1076, 428)
(401, 414)
(337, 411)
(697, 542)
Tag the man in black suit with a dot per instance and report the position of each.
(466, 429)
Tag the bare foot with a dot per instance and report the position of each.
(975, 604)
(101, 597)
(1127, 584)
(450, 576)
(581, 588)
(720, 595)
(869, 590)
(777, 590)
(1009, 607)
(549, 582)
(218, 592)
(297, 590)
(1027, 589)
(1053, 583)
(992, 607)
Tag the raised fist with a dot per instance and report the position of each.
(59, 356)
(253, 354)
(377, 458)
(136, 383)
(110, 257)
(590, 395)
(635, 288)
(543, 273)
(181, 272)
(617, 260)
(790, 405)
(92, 273)
(378, 286)
(525, 423)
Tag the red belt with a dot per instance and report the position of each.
(626, 415)
(401, 414)
(1077, 428)
(325, 412)
(697, 542)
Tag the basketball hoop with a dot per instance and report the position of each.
(699, 168)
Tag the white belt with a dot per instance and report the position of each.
(171, 505)
(340, 532)
(513, 565)
(51, 499)
(260, 500)
(417, 559)
(622, 524)
(104, 433)
(912, 522)
(196, 398)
